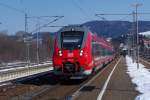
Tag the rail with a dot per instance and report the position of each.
(21, 72)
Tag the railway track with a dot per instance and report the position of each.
(25, 88)
(46, 87)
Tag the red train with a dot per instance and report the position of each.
(78, 52)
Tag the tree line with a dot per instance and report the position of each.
(13, 48)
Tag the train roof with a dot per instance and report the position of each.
(85, 29)
(74, 28)
(102, 42)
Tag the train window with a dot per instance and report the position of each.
(71, 39)
(96, 49)
(94, 46)
(148, 45)
(103, 51)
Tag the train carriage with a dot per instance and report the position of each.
(78, 52)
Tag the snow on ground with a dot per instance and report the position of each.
(147, 33)
(141, 77)
(16, 68)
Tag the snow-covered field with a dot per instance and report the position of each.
(147, 33)
(16, 68)
(19, 65)
(141, 77)
(24, 72)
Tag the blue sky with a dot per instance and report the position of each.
(74, 12)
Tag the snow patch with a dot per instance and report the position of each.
(16, 68)
(141, 77)
(147, 33)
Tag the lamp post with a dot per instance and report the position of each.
(37, 40)
(137, 28)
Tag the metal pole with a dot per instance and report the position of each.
(133, 38)
(28, 52)
(27, 42)
(38, 47)
(128, 44)
(37, 55)
(26, 22)
(137, 38)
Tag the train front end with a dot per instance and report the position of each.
(72, 53)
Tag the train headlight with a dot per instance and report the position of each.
(60, 53)
(81, 53)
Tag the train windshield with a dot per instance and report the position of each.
(71, 39)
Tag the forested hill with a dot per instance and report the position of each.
(115, 28)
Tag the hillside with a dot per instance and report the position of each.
(112, 29)
(115, 28)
